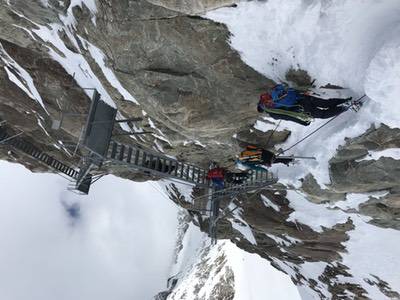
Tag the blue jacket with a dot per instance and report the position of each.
(283, 97)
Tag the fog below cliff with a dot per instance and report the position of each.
(116, 243)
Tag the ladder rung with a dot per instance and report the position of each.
(137, 153)
(164, 165)
(121, 153)
(198, 176)
(156, 162)
(193, 173)
(187, 171)
(170, 166)
(144, 159)
(129, 155)
(114, 149)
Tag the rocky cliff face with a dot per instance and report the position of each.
(162, 61)
(192, 7)
(178, 67)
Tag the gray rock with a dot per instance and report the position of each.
(385, 212)
(318, 195)
(365, 176)
(299, 77)
(266, 140)
(349, 173)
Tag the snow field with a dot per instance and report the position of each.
(254, 277)
(24, 81)
(240, 225)
(349, 43)
(74, 63)
(370, 249)
(382, 82)
(375, 155)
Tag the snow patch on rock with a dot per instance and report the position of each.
(20, 77)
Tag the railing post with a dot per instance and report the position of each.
(187, 172)
(182, 168)
(194, 173)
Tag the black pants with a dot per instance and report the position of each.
(283, 160)
(270, 158)
(322, 108)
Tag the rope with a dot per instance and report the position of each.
(320, 127)
(308, 135)
(226, 211)
(159, 191)
(272, 133)
(2, 142)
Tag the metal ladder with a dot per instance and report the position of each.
(29, 149)
(153, 163)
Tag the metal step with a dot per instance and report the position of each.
(153, 163)
(159, 165)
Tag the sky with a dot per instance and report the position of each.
(116, 243)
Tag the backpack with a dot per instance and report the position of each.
(251, 154)
(266, 100)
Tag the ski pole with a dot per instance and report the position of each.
(298, 157)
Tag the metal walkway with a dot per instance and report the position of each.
(27, 148)
(100, 151)
(152, 163)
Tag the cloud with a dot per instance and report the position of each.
(116, 243)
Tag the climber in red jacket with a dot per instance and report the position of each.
(216, 174)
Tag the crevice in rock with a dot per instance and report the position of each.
(167, 71)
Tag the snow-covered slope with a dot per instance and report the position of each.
(224, 271)
(350, 43)
(353, 44)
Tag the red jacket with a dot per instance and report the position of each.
(216, 173)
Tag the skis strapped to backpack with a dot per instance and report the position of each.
(302, 116)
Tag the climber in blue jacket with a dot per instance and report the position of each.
(290, 104)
